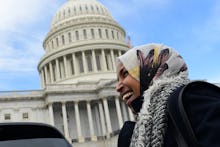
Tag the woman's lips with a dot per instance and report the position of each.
(126, 97)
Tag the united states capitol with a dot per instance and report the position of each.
(78, 78)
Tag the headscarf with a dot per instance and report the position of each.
(149, 62)
(160, 70)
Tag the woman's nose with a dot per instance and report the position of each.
(119, 86)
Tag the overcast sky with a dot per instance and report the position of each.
(191, 27)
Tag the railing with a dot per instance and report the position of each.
(24, 93)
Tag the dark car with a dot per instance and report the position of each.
(31, 135)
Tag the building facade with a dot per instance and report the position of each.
(78, 78)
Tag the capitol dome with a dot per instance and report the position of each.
(76, 9)
(81, 45)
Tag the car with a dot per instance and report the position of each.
(29, 134)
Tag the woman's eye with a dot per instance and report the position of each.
(125, 73)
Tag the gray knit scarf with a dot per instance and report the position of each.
(151, 123)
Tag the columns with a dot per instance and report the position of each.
(66, 73)
(119, 52)
(118, 109)
(46, 75)
(65, 123)
(51, 116)
(124, 111)
(85, 65)
(57, 70)
(108, 121)
(78, 124)
(75, 65)
(102, 118)
(104, 65)
(42, 78)
(131, 115)
(51, 72)
(113, 60)
(94, 61)
(91, 127)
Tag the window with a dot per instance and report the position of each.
(92, 33)
(63, 40)
(113, 36)
(57, 41)
(106, 32)
(92, 8)
(52, 44)
(77, 35)
(7, 116)
(70, 37)
(25, 115)
(84, 34)
(100, 33)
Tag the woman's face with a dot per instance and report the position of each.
(128, 87)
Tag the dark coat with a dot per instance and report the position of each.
(201, 103)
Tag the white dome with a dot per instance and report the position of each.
(75, 9)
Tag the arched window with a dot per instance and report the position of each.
(63, 40)
(74, 9)
(57, 41)
(84, 34)
(70, 37)
(92, 8)
(80, 9)
(86, 8)
(100, 33)
(64, 14)
(69, 11)
(106, 32)
(113, 36)
(77, 35)
(92, 33)
(52, 44)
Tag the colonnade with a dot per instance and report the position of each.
(82, 62)
(106, 120)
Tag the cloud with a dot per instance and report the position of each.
(21, 35)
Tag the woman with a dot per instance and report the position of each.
(147, 76)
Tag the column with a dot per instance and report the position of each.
(46, 75)
(118, 109)
(51, 72)
(65, 67)
(104, 65)
(91, 127)
(51, 116)
(113, 60)
(102, 118)
(124, 111)
(42, 78)
(131, 115)
(94, 61)
(57, 70)
(75, 65)
(78, 124)
(65, 123)
(107, 115)
(119, 53)
(85, 65)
